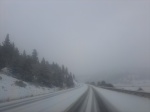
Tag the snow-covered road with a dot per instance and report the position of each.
(122, 102)
(81, 99)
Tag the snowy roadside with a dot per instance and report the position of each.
(144, 87)
(10, 90)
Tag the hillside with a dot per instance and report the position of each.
(29, 68)
(12, 88)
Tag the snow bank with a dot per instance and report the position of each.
(9, 90)
(76, 83)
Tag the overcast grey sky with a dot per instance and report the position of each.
(89, 37)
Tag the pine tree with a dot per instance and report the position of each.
(35, 56)
(43, 62)
(24, 54)
(7, 51)
(28, 68)
(1, 58)
(7, 43)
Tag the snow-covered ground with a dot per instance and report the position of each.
(145, 85)
(134, 82)
(56, 103)
(145, 89)
(76, 84)
(10, 91)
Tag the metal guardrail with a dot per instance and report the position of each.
(138, 93)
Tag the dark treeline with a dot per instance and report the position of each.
(105, 84)
(29, 68)
(102, 83)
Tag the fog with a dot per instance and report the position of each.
(89, 37)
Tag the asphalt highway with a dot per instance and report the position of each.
(85, 98)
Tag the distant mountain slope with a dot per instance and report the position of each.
(130, 79)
